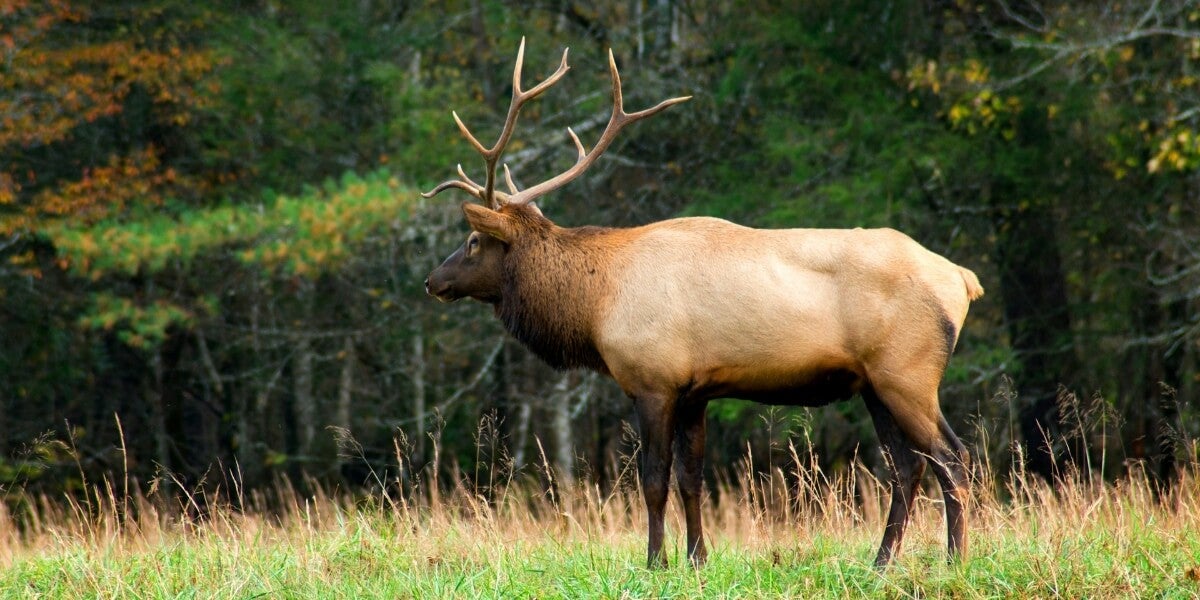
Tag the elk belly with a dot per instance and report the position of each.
(813, 386)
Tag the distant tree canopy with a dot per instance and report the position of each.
(96, 100)
(211, 240)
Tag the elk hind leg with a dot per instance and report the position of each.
(950, 462)
(689, 475)
(907, 464)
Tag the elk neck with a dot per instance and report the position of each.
(556, 283)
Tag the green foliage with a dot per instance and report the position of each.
(299, 235)
(293, 236)
(293, 105)
(311, 90)
(137, 326)
(33, 461)
(974, 107)
(829, 143)
(201, 263)
(317, 232)
(422, 126)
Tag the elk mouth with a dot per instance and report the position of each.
(444, 293)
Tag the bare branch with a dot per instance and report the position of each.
(1148, 25)
(1017, 18)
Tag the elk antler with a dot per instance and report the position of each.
(585, 159)
(487, 192)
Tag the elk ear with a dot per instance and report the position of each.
(486, 220)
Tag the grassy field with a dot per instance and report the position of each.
(814, 539)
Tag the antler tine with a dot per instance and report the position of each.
(463, 175)
(480, 193)
(512, 187)
(467, 134)
(494, 198)
(501, 197)
(578, 145)
(466, 184)
(620, 118)
(453, 183)
(616, 122)
(487, 193)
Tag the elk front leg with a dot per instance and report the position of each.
(657, 425)
(689, 474)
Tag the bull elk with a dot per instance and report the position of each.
(684, 311)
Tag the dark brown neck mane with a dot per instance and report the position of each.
(554, 282)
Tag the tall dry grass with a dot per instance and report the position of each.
(747, 508)
(780, 518)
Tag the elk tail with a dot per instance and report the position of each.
(974, 289)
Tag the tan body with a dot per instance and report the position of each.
(730, 311)
(684, 311)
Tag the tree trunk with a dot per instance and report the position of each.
(345, 396)
(482, 54)
(560, 424)
(521, 433)
(1173, 392)
(638, 23)
(1033, 289)
(158, 411)
(418, 398)
(304, 404)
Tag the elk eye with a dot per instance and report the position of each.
(472, 243)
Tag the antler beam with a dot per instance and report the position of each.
(585, 159)
(487, 192)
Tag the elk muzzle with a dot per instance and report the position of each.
(472, 271)
(440, 287)
(440, 283)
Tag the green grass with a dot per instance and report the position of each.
(1091, 541)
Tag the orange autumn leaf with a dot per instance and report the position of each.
(64, 72)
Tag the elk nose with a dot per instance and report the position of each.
(426, 285)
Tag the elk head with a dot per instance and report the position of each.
(476, 269)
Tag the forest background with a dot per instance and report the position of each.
(212, 246)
